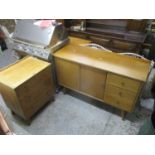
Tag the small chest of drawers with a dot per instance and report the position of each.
(26, 86)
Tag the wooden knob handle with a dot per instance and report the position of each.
(120, 93)
(117, 102)
(123, 84)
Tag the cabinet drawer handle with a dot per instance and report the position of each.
(123, 84)
(120, 93)
(117, 102)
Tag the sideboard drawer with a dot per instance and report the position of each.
(123, 82)
(119, 98)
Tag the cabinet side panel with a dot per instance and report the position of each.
(36, 92)
(10, 97)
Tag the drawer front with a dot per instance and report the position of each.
(119, 98)
(123, 45)
(123, 82)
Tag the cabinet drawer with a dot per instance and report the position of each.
(119, 98)
(123, 45)
(123, 82)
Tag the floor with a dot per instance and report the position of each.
(73, 113)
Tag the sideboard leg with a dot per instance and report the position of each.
(28, 122)
(64, 90)
(12, 112)
(123, 113)
(53, 99)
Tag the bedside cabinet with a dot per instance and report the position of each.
(26, 86)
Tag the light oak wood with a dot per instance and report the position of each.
(92, 82)
(26, 86)
(130, 67)
(123, 82)
(119, 98)
(15, 74)
(78, 41)
(10, 97)
(67, 73)
(108, 77)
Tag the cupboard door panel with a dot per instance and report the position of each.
(92, 82)
(67, 74)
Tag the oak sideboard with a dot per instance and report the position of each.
(109, 77)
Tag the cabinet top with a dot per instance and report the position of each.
(130, 67)
(19, 72)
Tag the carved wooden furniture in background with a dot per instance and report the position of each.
(119, 35)
(109, 77)
(26, 86)
(78, 41)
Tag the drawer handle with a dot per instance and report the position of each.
(123, 84)
(120, 93)
(117, 102)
